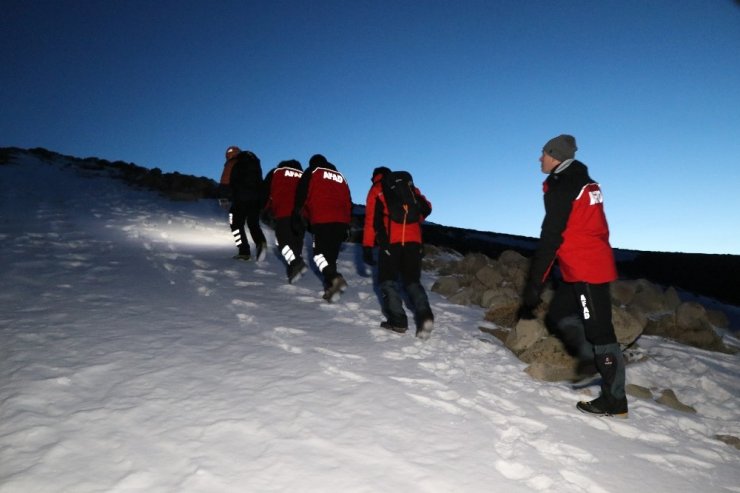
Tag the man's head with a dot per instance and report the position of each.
(561, 147)
(380, 171)
(557, 150)
(317, 161)
(232, 151)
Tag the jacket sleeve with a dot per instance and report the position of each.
(425, 207)
(301, 192)
(368, 231)
(382, 237)
(558, 205)
(268, 186)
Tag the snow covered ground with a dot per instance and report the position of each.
(137, 356)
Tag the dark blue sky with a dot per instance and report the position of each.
(461, 93)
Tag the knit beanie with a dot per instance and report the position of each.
(561, 147)
(380, 170)
(317, 160)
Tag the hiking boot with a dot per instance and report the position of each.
(296, 269)
(395, 328)
(261, 252)
(335, 289)
(242, 256)
(603, 406)
(339, 283)
(424, 331)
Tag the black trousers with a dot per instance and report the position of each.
(402, 262)
(327, 241)
(246, 212)
(586, 305)
(290, 242)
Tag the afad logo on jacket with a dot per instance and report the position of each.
(595, 196)
(330, 175)
(292, 173)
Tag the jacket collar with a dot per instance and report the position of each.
(563, 166)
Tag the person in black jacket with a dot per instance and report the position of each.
(575, 234)
(242, 176)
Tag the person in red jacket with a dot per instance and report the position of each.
(575, 233)
(281, 183)
(323, 200)
(400, 253)
(368, 231)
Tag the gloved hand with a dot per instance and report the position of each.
(385, 249)
(525, 313)
(530, 301)
(367, 255)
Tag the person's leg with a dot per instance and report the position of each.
(410, 268)
(565, 321)
(290, 245)
(595, 301)
(253, 224)
(392, 304)
(328, 239)
(237, 218)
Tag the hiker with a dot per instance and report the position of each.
(242, 178)
(395, 209)
(324, 204)
(368, 231)
(281, 183)
(576, 234)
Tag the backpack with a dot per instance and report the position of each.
(400, 199)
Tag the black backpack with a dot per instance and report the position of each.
(403, 204)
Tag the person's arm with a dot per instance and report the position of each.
(301, 192)
(382, 237)
(558, 205)
(425, 207)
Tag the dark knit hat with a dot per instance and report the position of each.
(380, 170)
(561, 147)
(317, 160)
(291, 163)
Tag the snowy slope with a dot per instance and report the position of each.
(137, 356)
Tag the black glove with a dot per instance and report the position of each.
(384, 250)
(526, 313)
(367, 255)
(530, 301)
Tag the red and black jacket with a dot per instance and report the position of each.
(243, 175)
(323, 196)
(575, 230)
(368, 231)
(282, 183)
(388, 231)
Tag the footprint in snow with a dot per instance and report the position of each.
(279, 337)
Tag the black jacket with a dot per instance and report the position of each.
(246, 180)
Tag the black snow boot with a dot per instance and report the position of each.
(261, 251)
(612, 401)
(244, 254)
(395, 328)
(335, 288)
(296, 269)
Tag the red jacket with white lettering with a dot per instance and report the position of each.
(283, 182)
(323, 196)
(575, 230)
